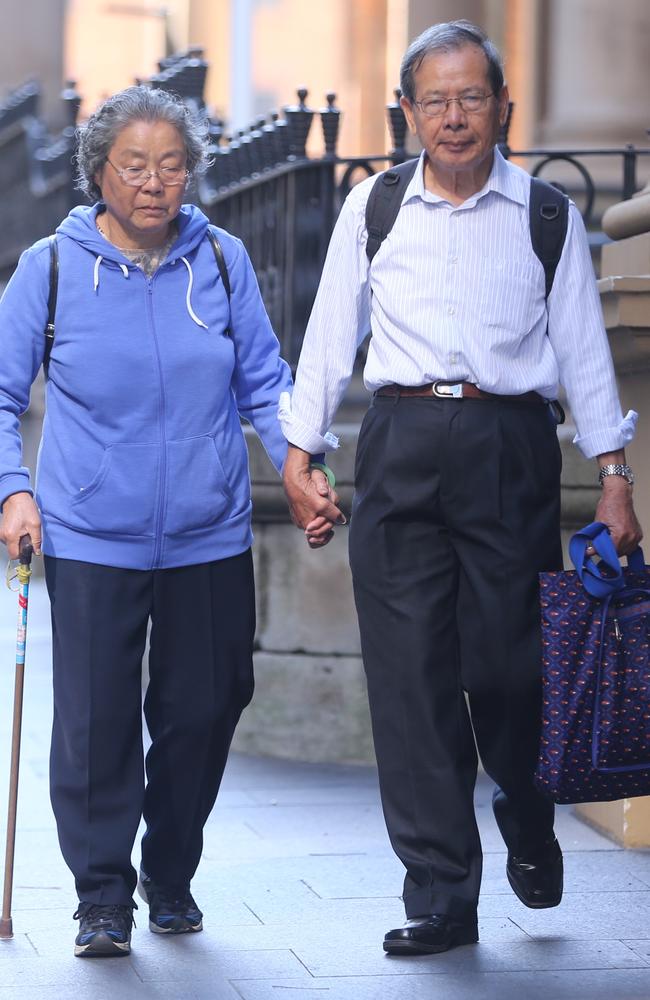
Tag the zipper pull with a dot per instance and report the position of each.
(617, 631)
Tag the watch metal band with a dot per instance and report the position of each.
(614, 469)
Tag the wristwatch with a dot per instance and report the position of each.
(616, 470)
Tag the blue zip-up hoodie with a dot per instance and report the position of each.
(143, 463)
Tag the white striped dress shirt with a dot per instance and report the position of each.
(457, 293)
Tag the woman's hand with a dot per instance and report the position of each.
(20, 517)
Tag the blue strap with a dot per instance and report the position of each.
(636, 560)
(604, 578)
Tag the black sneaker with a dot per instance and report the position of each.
(104, 930)
(172, 909)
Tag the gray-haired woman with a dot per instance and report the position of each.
(143, 496)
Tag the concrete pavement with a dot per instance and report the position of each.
(298, 885)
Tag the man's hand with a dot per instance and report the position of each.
(616, 510)
(312, 501)
(20, 517)
(615, 507)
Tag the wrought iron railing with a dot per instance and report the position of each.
(36, 188)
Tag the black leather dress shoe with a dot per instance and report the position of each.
(428, 935)
(537, 878)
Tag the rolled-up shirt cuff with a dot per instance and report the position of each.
(299, 434)
(609, 439)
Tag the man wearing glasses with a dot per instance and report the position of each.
(457, 480)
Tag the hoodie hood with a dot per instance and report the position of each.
(80, 226)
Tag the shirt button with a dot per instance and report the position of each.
(453, 359)
(454, 260)
(451, 310)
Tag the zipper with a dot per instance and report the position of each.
(163, 441)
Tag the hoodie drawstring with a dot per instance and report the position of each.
(188, 303)
(96, 273)
(190, 283)
(98, 260)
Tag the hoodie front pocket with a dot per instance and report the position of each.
(121, 497)
(198, 492)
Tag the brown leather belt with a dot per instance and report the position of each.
(455, 390)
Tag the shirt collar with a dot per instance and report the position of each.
(504, 179)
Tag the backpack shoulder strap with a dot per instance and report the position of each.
(548, 217)
(384, 203)
(217, 250)
(51, 301)
(220, 258)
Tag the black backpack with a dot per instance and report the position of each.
(54, 285)
(548, 216)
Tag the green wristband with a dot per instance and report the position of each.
(325, 469)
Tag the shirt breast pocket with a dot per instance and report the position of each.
(510, 295)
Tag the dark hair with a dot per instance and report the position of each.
(96, 137)
(443, 38)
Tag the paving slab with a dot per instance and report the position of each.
(565, 985)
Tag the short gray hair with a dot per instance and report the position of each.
(96, 137)
(443, 38)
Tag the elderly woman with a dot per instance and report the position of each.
(144, 500)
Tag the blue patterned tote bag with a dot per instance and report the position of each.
(595, 743)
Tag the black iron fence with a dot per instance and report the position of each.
(262, 185)
(36, 188)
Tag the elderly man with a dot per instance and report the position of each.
(457, 481)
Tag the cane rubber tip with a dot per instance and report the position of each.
(6, 929)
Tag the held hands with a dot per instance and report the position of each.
(20, 517)
(312, 501)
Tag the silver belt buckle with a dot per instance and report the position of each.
(446, 390)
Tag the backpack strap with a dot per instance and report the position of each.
(217, 250)
(384, 203)
(219, 256)
(51, 301)
(549, 217)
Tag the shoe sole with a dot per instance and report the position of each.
(102, 946)
(406, 947)
(533, 906)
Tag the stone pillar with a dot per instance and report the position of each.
(597, 72)
(523, 55)
(210, 26)
(424, 13)
(33, 48)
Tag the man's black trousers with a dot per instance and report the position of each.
(201, 677)
(456, 511)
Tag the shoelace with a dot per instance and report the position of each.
(98, 915)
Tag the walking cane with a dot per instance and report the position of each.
(23, 573)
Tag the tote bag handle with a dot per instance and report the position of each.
(604, 578)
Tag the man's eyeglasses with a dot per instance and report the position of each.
(436, 107)
(137, 176)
